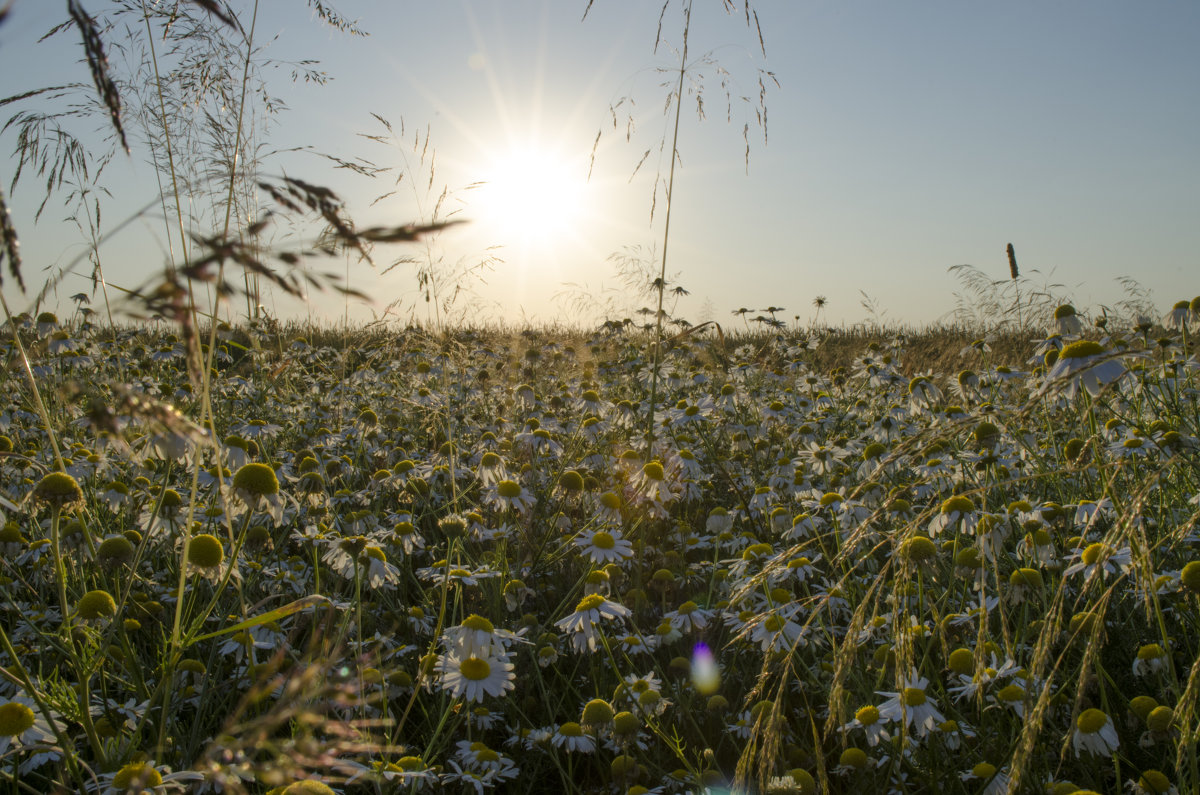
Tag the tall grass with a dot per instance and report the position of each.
(270, 556)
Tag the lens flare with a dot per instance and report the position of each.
(705, 675)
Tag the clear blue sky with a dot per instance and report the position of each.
(904, 138)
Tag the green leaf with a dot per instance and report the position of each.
(266, 618)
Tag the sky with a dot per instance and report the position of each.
(902, 139)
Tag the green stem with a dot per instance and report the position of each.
(662, 274)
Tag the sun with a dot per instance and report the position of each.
(532, 197)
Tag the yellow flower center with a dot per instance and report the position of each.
(867, 715)
(1081, 349)
(475, 669)
(15, 718)
(603, 540)
(508, 489)
(136, 776)
(1091, 721)
(1096, 553)
(960, 504)
(205, 551)
(589, 602)
(478, 622)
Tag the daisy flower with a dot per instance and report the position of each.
(605, 546)
(688, 617)
(570, 737)
(583, 623)
(21, 724)
(1150, 659)
(995, 780)
(1066, 322)
(1095, 734)
(1152, 782)
(955, 513)
(870, 721)
(509, 495)
(477, 637)
(472, 677)
(1099, 557)
(1083, 364)
(912, 705)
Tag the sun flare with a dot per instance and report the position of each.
(533, 197)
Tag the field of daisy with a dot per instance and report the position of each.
(259, 557)
(474, 560)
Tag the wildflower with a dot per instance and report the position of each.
(912, 705)
(1086, 364)
(58, 490)
(477, 637)
(955, 513)
(258, 487)
(509, 495)
(22, 724)
(605, 546)
(952, 733)
(776, 631)
(995, 781)
(1152, 782)
(379, 573)
(688, 617)
(1099, 557)
(1095, 734)
(205, 551)
(570, 737)
(96, 606)
(869, 720)
(1066, 321)
(583, 623)
(1150, 659)
(142, 776)
(851, 761)
(473, 677)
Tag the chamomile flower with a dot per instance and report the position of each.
(605, 546)
(912, 705)
(571, 737)
(1084, 364)
(584, 622)
(509, 495)
(1099, 557)
(471, 677)
(1095, 734)
(871, 722)
(22, 724)
(1150, 659)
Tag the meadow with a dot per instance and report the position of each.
(249, 555)
(405, 560)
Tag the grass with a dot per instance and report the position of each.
(834, 517)
(262, 556)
